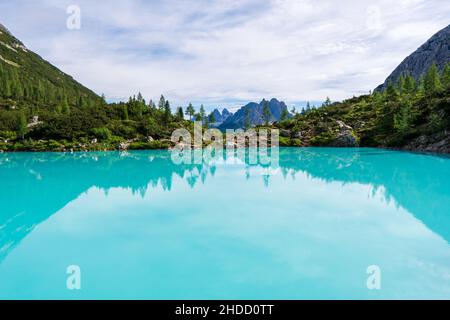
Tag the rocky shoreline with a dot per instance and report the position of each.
(419, 145)
(344, 136)
(437, 143)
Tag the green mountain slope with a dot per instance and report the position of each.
(408, 115)
(44, 109)
(26, 77)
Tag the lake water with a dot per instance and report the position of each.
(140, 227)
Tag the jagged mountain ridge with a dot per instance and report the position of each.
(254, 114)
(220, 117)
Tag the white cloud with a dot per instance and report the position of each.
(229, 51)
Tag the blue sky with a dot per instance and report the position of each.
(227, 52)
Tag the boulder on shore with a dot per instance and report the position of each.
(345, 137)
(437, 143)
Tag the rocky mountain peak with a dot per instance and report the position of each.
(253, 113)
(435, 50)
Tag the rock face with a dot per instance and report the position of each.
(345, 138)
(254, 112)
(436, 50)
(4, 29)
(34, 122)
(225, 115)
(217, 116)
(220, 117)
(438, 143)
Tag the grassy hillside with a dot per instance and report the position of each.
(397, 117)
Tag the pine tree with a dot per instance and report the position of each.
(125, 113)
(139, 105)
(167, 112)
(17, 89)
(40, 94)
(401, 84)
(65, 106)
(81, 102)
(391, 92)
(403, 119)
(202, 112)
(432, 80)
(190, 111)
(21, 128)
(421, 87)
(27, 91)
(50, 94)
(8, 89)
(180, 113)
(445, 78)
(162, 103)
(152, 104)
(435, 121)
(410, 85)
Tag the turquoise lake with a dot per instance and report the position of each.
(141, 227)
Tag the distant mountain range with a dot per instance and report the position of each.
(220, 117)
(435, 50)
(251, 115)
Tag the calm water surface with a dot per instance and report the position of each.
(141, 227)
